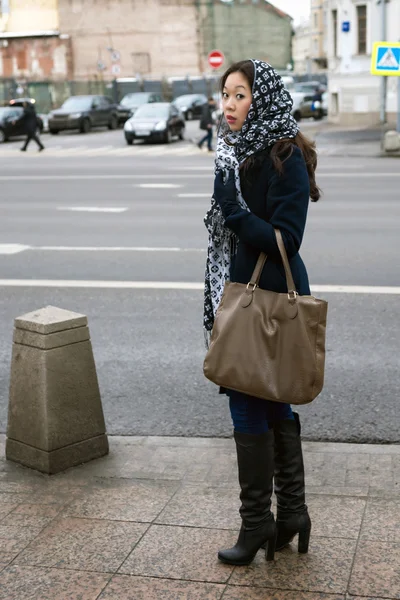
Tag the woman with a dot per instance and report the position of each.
(265, 176)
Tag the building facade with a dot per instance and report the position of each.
(310, 42)
(30, 42)
(318, 36)
(125, 38)
(106, 39)
(302, 63)
(245, 29)
(353, 26)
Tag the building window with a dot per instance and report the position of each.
(334, 27)
(316, 20)
(362, 29)
(4, 7)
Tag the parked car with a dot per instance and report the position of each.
(19, 103)
(218, 112)
(160, 121)
(308, 109)
(191, 105)
(325, 104)
(12, 122)
(83, 113)
(45, 122)
(131, 102)
(308, 87)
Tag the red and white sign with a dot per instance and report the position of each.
(216, 59)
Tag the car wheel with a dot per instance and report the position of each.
(53, 131)
(297, 115)
(85, 127)
(182, 134)
(129, 141)
(318, 115)
(168, 136)
(189, 115)
(2, 137)
(113, 124)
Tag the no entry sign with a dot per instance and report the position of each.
(216, 59)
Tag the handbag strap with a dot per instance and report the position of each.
(288, 272)
(255, 278)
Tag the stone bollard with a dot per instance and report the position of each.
(55, 417)
(391, 141)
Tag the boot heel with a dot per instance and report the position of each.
(270, 548)
(304, 540)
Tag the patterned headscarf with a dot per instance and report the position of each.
(269, 120)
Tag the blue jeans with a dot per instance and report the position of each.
(254, 415)
(207, 138)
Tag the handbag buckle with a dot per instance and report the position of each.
(295, 294)
(253, 284)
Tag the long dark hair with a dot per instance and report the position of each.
(283, 149)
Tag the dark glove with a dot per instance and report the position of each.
(225, 194)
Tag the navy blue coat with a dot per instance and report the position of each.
(274, 200)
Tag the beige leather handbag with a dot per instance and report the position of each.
(266, 344)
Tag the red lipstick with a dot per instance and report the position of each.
(231, 119)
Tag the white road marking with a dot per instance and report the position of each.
(112, 249)
(59, 283)
(12, 248)
(179, 285)
(195, 195)
(193, 168)
(122, 177)
(355, 289)
(99, 209)
(157, 186)
(358, 174)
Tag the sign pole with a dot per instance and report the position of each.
(398, 105)
(384, 79)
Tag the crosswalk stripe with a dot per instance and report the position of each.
(82, 151)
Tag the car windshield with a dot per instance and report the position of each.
(134, 100)
(305, 87)
(4, 111)
(78, 103)
(156, 111)
(183, 100)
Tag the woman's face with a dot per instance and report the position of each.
(236, 100)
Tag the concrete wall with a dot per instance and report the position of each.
(153, 37)
(354, 94)
(247, 30)
(29, 16)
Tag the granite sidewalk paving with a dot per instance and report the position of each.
(146, 522)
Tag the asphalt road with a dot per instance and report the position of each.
(148, 343)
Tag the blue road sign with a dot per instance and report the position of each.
(386, 58)
(346, 26)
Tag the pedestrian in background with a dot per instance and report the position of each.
(206, 123)
(31, 126)
(265, 176)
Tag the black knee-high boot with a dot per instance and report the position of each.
(255, 454)
(292, 514)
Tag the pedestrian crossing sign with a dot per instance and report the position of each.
(386, 58)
